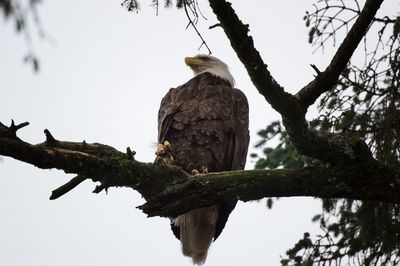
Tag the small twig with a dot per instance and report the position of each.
(214, 26)
(198, 8)
(15, 128)
(49, 138)
(67, 187)
(155, 4)
(316, 69)
(99, 188)
(191, 23)
(11, 131)
(130, 153)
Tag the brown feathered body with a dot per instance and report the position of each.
(206, 121)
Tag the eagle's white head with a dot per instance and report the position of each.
(207, 63)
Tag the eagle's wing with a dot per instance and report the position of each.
(236, 151)
(238, 138)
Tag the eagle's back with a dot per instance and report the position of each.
(206, 121)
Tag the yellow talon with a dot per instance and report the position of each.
(160, 149)
(168, 160)
(167, 145)
(195, 172)
(204, 170)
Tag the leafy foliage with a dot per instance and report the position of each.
(283, 155)
(134, 5)
(6, 6)
(353, 233)
(365, 103)
(22, 12)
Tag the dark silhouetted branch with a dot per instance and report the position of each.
(67, 187)
(328, 78)
(243, 44)
(337, 149)
(170, 191)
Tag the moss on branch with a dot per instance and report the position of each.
(170, 191)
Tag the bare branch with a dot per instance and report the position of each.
(193, 25)
(205, 190)
(237, 32)
(328, 78)
(170, 191)
(67, 187)
(333, 148)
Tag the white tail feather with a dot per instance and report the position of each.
(197, 229)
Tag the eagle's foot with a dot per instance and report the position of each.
(167, 145)
(164, 152)
(204, 170)
(195, 171)
(160, 150)
(168, 160)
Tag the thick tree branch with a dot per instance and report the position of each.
(237, 32)
(204, 190)
(337, 149)
(328, 78)
(170, 191)
(96, 161)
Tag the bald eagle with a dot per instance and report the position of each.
(206, 121)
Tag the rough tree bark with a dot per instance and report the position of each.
(169, 191)
(337, 149)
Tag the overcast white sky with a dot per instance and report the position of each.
(101, 80)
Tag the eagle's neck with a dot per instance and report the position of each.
(220, 72)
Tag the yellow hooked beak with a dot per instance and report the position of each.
(193, 62)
